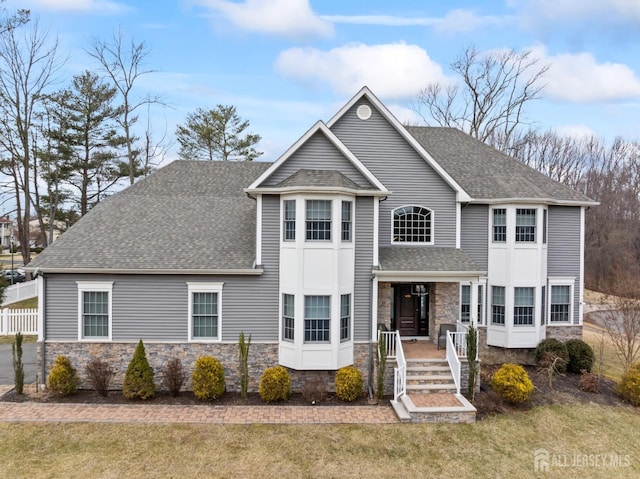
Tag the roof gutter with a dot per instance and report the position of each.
(315, 189)
(245, 272)
(549, 201)
(444, 276)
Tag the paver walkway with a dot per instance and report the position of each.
(165, 414)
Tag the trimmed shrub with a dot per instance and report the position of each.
(63, 378)
(208, 378)
(349, 385)
(314, 391)
(138, 380)
(100, 375)
(275, 384)
(512, 382)
(555, 346)
(629, 387)
(581, 356)
(173, 376)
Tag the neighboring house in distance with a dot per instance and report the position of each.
(6, 228)
(35, 233)
(361, 223)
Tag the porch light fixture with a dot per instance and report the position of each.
(419, 289)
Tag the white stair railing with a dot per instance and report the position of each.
(453, 359)
(394, 351)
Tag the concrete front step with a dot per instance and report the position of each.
(429, 378)
(457, 410)
(431, 388)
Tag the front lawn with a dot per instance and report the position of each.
(579, 440)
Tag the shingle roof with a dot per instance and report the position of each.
(322, 178)
(486, 173)
(189, 215)
(401, 258)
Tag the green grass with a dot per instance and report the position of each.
(9, 339)
(500, 446)
(612, 364)
(31, 303)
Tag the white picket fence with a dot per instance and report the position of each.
(23, 321)
(20, 292)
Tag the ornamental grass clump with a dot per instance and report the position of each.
(275, 384)
(63, 378)
(349, 386)
(138, 380)
(512, 383)
(207, 379)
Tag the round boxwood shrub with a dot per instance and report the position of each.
(629, 387)
(556, 348)
(581, 356)
(349, 383)
(512, 382)
(275, 384)
(138, 380)
(208, 378)
(63, 378)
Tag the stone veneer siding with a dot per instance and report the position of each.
(444, 307)
(261, 357)
(526, 356)
(384, 305)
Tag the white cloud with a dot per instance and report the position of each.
(90, 6)
(290, 18)
(603, 12)
(580, 78)
(574, 130)
(455, 21)
(394, 70)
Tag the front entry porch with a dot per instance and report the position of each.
(427, 380)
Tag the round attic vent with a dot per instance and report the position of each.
(363, 112)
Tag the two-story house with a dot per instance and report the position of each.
(361, 223)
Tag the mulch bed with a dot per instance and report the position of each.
(563, 390)
(184, 398)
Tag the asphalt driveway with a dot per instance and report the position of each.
(29, 360)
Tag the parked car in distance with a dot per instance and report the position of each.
(17, 276)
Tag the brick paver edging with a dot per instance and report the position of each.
(166, 414)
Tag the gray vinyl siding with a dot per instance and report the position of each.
(381, 149)
(317, 153)
(474, 234)
(155, 307)
(363, 265)
(563, 243)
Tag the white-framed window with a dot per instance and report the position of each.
(289, 220)
(288, 317)
(345, 317)
(412, 224)
(499, 225)
(480, 303)
(543, 302)
(347, 221)
(544, 226)
(497, 305)
(94, 310)
(318, 222)
(525, 225)
(523, 306)
(560, 304)
(317, 319)
(465, 303)
(205, 311)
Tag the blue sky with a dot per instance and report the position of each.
(287, 63)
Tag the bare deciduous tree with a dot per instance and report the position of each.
(622, 322)
(122, 60)
(28, 64)
(490, 99)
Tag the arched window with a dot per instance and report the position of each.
(412, 224)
